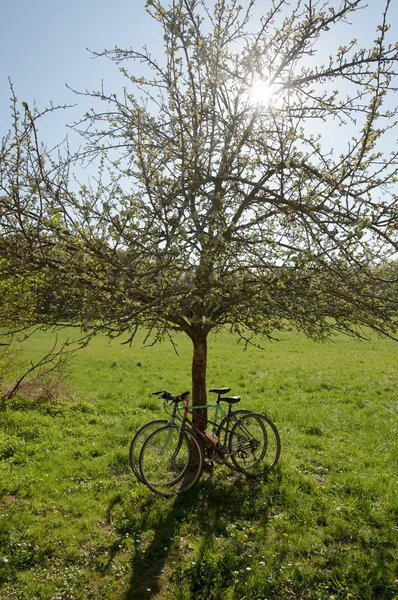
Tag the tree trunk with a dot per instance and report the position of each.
(199, 364)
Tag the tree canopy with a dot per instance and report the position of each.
(245, 179)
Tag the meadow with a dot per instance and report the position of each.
(75, 524)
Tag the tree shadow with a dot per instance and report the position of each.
(148, 568)
(212, 503)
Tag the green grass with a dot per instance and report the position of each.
(74, 524)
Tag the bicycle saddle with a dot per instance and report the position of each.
(220, 390)
(230, 399)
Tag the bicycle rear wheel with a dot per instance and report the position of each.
(171, 461)
(138, 440)
(254, 444)
(223, 431)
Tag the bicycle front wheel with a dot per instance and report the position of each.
(138, 440)
(254, 444)
(171, 461)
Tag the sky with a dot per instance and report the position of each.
(43, 46)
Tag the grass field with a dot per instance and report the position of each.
(75, 524)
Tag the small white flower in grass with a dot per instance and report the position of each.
(4, 560)
(262, 563)
(248, 569)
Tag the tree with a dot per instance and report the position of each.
(213, 208)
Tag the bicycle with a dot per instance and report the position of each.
(175, 419)
(172, 455)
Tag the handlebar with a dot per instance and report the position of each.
(165, 395)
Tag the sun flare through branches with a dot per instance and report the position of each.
(263, 93)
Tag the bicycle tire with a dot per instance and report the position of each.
(171, 461)
(254, 444)
(138, 440)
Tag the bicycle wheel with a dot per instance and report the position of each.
(254, 444)
(138, 441)
(227, 424)
(171, 461)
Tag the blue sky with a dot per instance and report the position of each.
(43, 46)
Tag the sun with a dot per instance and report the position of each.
(263, 92)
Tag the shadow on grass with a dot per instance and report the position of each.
(211, 506)
(148, 570)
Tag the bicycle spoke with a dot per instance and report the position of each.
(170, 461)
(254, 444)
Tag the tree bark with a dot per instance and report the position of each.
(199, 365)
